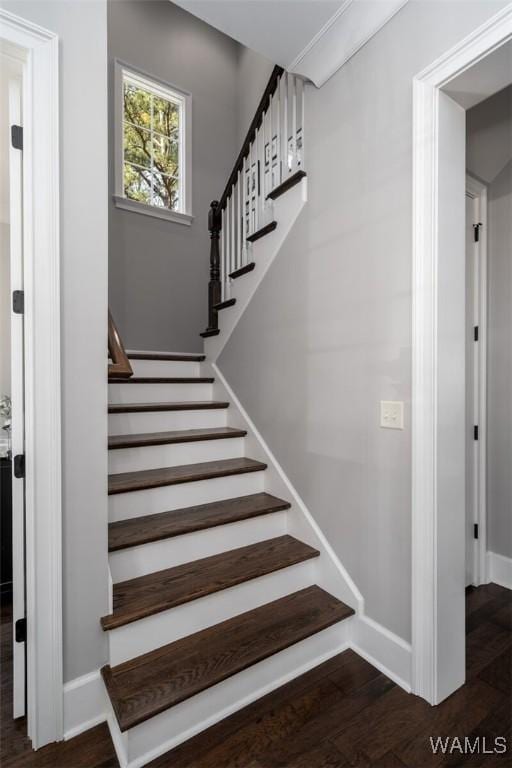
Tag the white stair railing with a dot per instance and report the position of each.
(272, 153)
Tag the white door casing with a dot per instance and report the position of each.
(438, 412)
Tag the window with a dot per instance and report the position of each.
(153, 154)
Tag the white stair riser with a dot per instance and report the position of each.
(155, 631)
(137, 503)
(155, 556)
(158, 393)
(165, 368)
(146, 741)
(161, 421)
(154, 456)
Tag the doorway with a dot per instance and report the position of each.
(33, 301)
(478, 67)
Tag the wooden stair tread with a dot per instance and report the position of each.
(188, 405)
(266, 230)
(155, 592)
(145, 686)
(175, 436)
(171, 356)
(211, 332)
(185, 473)
(242, 270)
(225, 304)
(287, 184)
(164, 525)
(163, 380)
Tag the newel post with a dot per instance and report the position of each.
(214, 286)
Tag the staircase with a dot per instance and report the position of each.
(214, 601)
(207, 583)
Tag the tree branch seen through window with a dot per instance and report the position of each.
(151, 147)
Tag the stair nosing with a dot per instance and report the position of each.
(287, 184)
(225, 471)
(274, 504)
(186, 405)
(224, 304)
(262, 231)
(163, 380)
(242, 270)
(116, 620)
(174, 437)
(334, 611)
(166, 357)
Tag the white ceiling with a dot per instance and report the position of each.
(310, 37)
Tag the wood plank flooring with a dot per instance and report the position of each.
(341, 714)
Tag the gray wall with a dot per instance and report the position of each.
(82, 30)
(158, 270)
(488, 135)
(328, 333)
(253, 74)
(5, 312)
(499, 374)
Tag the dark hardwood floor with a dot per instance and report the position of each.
(343, 713)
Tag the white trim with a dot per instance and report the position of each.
(85, 704)
(152, 210)
(478, 191)
(183, 216)
(349, 28)
(499, 569)
(42, 376)
(427, 567)
(383, 649)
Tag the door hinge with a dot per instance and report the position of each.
(18, 302)
(476, 230)
(17, 136)
(475, 531)
(20, 630)
(475, 432)
(19, 465)
(476, 332)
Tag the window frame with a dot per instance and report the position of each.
(167, 91)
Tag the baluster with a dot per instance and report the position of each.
(299, 121)
(245, 202)
(214, 286)
(224, 266)
(283, 126)
(239, 217)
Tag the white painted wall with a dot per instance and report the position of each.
(82, 29)
(328, 333)
(499, 375)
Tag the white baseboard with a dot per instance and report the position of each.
(499, 569)
(389, 653)
(84, 704)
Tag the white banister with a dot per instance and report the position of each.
(272, 153)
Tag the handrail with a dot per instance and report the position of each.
(251, 133)
(120, 367)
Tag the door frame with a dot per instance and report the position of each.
(41, 264)
(438, 653)
(477, 191)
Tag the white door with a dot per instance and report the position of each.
(17, 395)
(471, 510)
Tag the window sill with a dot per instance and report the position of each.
(150, 210)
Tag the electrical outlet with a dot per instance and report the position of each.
(391, 414)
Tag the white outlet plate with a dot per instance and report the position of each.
(391, 414)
